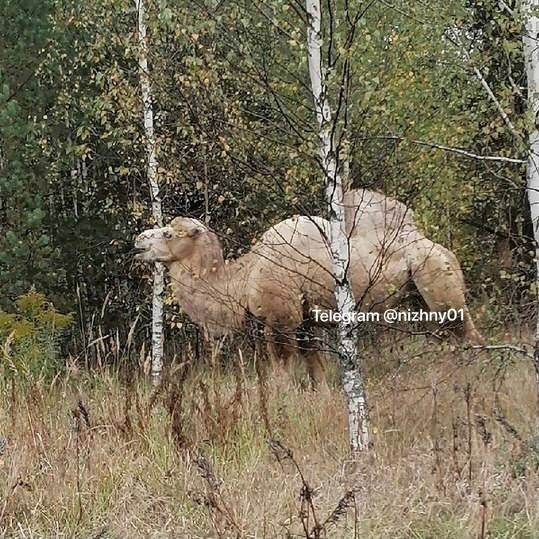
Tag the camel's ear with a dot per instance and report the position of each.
(195, 231)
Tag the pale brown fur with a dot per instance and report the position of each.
(289, 271)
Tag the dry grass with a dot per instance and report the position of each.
(452, 455)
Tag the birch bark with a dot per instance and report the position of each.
(158, 274)
(531, 54)
(352, 380)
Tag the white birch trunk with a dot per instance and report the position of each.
(348, 351)
(531, 54)
(158, 274)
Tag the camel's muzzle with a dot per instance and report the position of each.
(141, 246)
(140, 252)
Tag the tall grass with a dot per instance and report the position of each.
(89, 455)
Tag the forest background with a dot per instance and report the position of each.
(436, 116)
(235, 137)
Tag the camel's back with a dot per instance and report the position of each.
(293, 268)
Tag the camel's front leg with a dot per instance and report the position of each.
(281, 346)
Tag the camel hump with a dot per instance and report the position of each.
(370, 211)
(188, 222)
(297, 231)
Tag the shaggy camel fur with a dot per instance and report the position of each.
(288, 272)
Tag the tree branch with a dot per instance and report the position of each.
(510, 347)
(494, 99)
(455, 40)
(458, 151)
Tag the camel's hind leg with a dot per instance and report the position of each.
(438, 277)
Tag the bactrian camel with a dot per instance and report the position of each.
(287, 274)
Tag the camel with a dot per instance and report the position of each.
(288, 273)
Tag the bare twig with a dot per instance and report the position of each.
(510, 347)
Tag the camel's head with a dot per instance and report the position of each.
(174, 242)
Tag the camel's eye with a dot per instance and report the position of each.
(167, 234)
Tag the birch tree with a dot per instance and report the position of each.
(158, 274)
(348, 352)
(531, 53)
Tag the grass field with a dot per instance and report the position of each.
(453, 453)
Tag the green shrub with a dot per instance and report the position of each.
(30, 338)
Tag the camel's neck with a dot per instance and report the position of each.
(210, 291)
